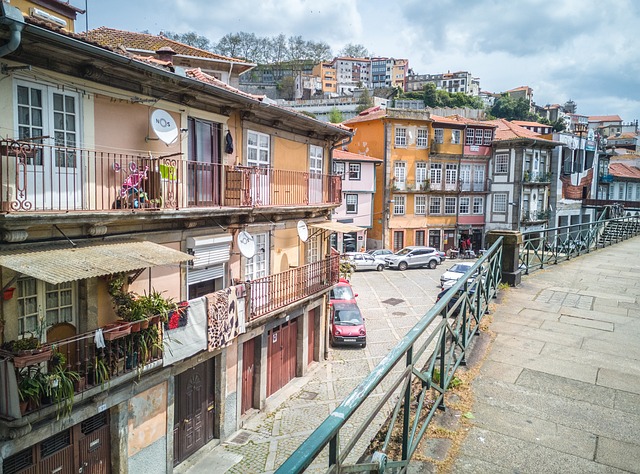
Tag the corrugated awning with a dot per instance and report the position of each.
(337, 227)
(60, 265)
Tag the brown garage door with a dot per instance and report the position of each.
(282, 355)
(312, 335)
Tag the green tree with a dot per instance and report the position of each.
(354, 51)
(364, 102)
(508, 108)
(287, 87)
(335, 116)
(429, 95)
(559, 125)
(191, 38)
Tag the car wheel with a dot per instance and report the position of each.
(432, 264)
(363, 345)
(402, 266)
(380, 267)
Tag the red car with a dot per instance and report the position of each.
(342, 293)
(347, 325)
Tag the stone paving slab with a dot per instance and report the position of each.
(621, 455)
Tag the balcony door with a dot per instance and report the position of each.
(315, 174)
(50, 176)
(204, 163)
(259, 157)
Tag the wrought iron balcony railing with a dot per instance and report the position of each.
(276, 291)
(36, 177)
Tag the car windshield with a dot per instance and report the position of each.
(403, 252)
(347, 317)
(459, 268)
(341, 293)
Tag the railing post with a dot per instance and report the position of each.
(407, 410)
(512, 240)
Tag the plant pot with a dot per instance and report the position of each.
(24, 405)
(8, 293)
(80, 384)
(135, 326)
(111, 332)
(31, 357)
(144, 324)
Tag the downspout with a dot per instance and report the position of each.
(12, 17)
(386, 213)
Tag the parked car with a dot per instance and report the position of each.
(413, 256)
(342, 293)
(364, 261)
(349, 243)
(380, 252)
(347, 325)
(454, 273)
(454, 299)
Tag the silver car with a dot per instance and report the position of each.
(413, 256)
(364, 261)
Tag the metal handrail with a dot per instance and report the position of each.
(431, 352)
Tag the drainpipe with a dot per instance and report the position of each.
(11, 17)
(386, 192)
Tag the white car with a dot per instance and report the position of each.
(452, 275)
(364, 261)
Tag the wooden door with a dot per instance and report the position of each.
(248, 376)
(204, 186)
(282, 356)
(191, 412)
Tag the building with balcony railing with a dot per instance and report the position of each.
(163, 259)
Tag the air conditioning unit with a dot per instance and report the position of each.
(43, 15)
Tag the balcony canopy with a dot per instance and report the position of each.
(337, 227)
(59, 265)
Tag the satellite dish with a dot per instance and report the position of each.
(164, 126)
(246, 244)
(303, 231)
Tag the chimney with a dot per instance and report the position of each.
(166, 54)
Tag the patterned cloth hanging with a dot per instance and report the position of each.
(223, 322)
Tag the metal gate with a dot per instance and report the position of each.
(282, 355)
(84, 448)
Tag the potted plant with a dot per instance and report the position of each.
(27, 351)
(30, 389)
(61, 389)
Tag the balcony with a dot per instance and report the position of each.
(530, 177)
(535, 216)
(274, 292)
(45, 381)
(42, 178)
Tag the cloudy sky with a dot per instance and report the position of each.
(585, 50)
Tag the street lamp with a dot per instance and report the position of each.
(581, 129)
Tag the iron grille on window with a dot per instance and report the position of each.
(54, 444)
(94, 423)
(18, 462)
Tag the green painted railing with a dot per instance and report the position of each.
(556, 244)
(406, 389)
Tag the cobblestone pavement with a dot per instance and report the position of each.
(392, 302)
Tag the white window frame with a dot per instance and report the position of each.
(399, 205)
(258, 149)
(422, 173)
(258, 265)
(500, 203)
(339, 168)
(469, 136)
(450, 204)
(42, 311)
(355, 171)
(435, 205)
(422, 138)
(455, 137)
(400, 172)
(435, 172)
(501, 165)
(401, 137)
(478, 174)
(465, 174)
(420, 205)
(478, 205)
(488, 137)
(351, 207)
(478, 137)
(451, 173)
(316, 155)
(438, 135)
(464, 204)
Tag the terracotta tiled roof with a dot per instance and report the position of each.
(113, 38)
(604, 118)
(447, 120)
(621, 170)
(510, 131)
(624, 136)
(373, 113)
(521, 88)
(348, 156)
(196, 73)
(467, 121)
(524, 123)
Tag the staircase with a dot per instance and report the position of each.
(616, 231)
